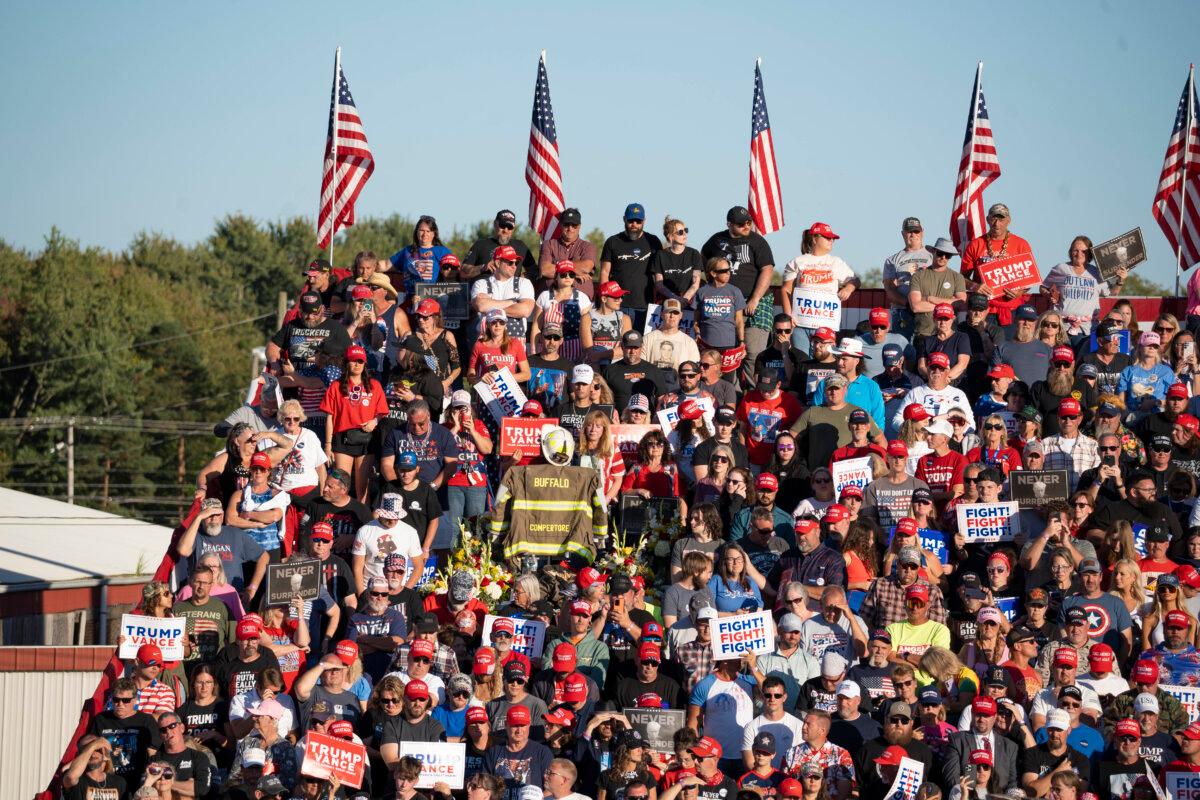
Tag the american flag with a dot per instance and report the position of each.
(541, 166)
(348, 160)
(1180, 182)
(976, 171)
(766, 203)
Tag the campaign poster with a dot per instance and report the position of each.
(988, 522)
(687, 321)
(668, 418)
(908, 780)
(503, 396)
(851, 472)
(326, 755)
(657, 726)
(440, 762)
(1189, 698)
(1034, 488)
(167, 633)
(639, 514)
(626, 438)
(1124, 346)
(733, 637)
(1011, 273)
(454, 298)
(529, 638)
(548, 386)
(932, 540)
(1182, 785)
(1007, 607)
(1127, 250)
(1139, 538)
(525, 435)
(813, 308)
(295, 578)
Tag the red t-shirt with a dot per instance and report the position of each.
(490, 355)
(976, 253)
(439, 606)
(471, 470)
(351, 411)
(1006, 458)
(851, 451)
(941, 472)
(663, 482)
(763, 418)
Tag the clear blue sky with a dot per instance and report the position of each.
(156, 116)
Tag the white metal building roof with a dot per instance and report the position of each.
(44, 541)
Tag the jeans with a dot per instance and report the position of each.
(466, 501)
(802, 340)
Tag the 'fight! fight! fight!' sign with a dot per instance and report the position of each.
(733, 637)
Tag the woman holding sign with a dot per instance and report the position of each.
(495, 350)
(816, 273)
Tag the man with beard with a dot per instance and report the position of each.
(519, 761)
(344, 513)
(1108, 359)
(625, 259)
(1140, 507)
(996, 243)
(1115, 775)
(1052, 756)
(240, 673)
(1161, 423)
(895, 382)
(822, 364)
(814, 564)
(984, 336)
(1028, 355)
(480, 254)
(782, 357)
(88, 776)
(208, 533)
(874, 673)
(300, 339)
(885, 602)
(752, 265)
(377, 629)
(191, 765)
(898, 733)
(1070, 449)
(1061, 382)
(132, 735)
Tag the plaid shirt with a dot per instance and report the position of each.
(697, 659)
(884, 603)
(444, 662)
(1074, 456)
(764, 315)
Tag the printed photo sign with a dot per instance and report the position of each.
(454, 298)
(1010, 274)
(1127, 250)
(812, 308)
(668, 418)
(503, 396)
(1125, 346)
(851, 472)
(295, 578)
(657, 726)
(167, 633)
(687, 321)
(529, 638)
(523, 434)
(733, 637)
(326, 755)
(988, 522)
(1034, 488)
(908, 780)
(639, 514)
(440, 762)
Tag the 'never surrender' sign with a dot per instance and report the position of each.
(988, 522)
(733, 637)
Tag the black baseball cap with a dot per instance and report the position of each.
(570, 216)
(977, 302)
(739, 215)
(310, 301)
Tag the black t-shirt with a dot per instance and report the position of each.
(570, 416)
(346, 520)
(199, 719)
(130, 739)
(526, 766)
(746, 255)
(1040, 761)
(703, 452)
(301, 342)
(1161, 748)
(630, 259)
(627, 379)
(1114, 781)
(421, 504)
(339, 580)
(113, 787)
(236, 676)
(190, 765)
(399, 729)
(613, 782)
(481, 253)
(850, 734)
(408, 602)
(675, 270)
(1107, 375)
(628, 690)
(723, 790)
(812, 372)
(783, 362)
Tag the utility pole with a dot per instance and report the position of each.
(71, 460)
(281, 310)
(182, 474)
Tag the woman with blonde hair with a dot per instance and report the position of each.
(1167, 597)
(602, 393)
(912, 433)
(597, 450)
(1050, 329)
(720, 464)
(957, 683)
(1145, 381)
(988, 647)
(993, 450)
(1129, 585)
(385, 705)
(489, 685)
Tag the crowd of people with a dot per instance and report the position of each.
(1039, 663)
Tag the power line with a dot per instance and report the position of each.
(136, 345)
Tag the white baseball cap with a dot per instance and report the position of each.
(582, 374)
(1145, 702)
(849, 689)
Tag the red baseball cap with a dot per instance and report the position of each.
(649, 651)
(1179, 390)
(476, 715)
(879, 316)
(1146, 671)
(575, 688)
(824, 335)
(1177, 619)
(1101, 658)
(767, 481)
(422, 648)
(1066, 657)
(939, 359)
(981, 757)
(612, 289)
(1069, 407)
(247, 629)
(907, 526)
(892, 756)
(150, 655)
(260, 460)
(1002, 371)
(321, 531)
(506, 252)
(649, 700)
(915, 412)
(485, 661)
(806, 526)
(564, 657)
(360, 292)
(450, 260)
(532, 408)
(428, 307)
(560, 716)
(565, 267)
(1191, 731)
(707, 747)
(416, 689)
(651, 630)
(918, 591)
(983, 706)
(823, 229)
(897, 447)
(690, 409)
(853, 490)
(1188, 575)
(943, 311)
(342, 729)
(581, 608)
(1188, 422)
(517, 716)
(504, 625)
(356, 353)
(1063, 355)
(1129, 727)
(347, 651)
(790, 787)
(466, 623)
(588, 576)
(836, 513)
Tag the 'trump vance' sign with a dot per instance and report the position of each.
(733, 637)
(167, 633)
(1014, 272)
(812, 308)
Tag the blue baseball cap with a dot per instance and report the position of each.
(930, 696)
(407, 460)
(1026, 312)
(635, 211)
(892, 354)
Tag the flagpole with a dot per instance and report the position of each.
(1187, 143)
(333, 143)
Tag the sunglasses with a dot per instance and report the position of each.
(782, 331)
(390, 701)
(461, 693)
(122, 700)
(899, 720)
(552, 337)
(678, 231)
(774, 695)
(993, 426)
(292, 419)
(379, 594)
(171, 727)
(1163, 329)
(721, 272)
(1051, 325)
(166, 772)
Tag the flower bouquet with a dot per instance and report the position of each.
(474, 555)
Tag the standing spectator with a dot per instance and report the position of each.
(259, 509)
(570, 246)
(504, 227)
(677, 268)
(955, 345)
(996, 243)
(1070, 449)
(433, 342)
(467, 487)
(763, 414)
(519, 761)
(668, 347)
(420, 262)
(625, 259)
(861, 391)
(822, 429)
(1075, 289)
(752, 266)
(936, 285)
(354, 406)
(898, 272)
(720, 319)
(609, 323)
(563, 305)
(878, 337)
(632, 375)
(1144, 383)
(504, 290)
(937, 397)
(816, 270)
(1029, 356)
(298, 341)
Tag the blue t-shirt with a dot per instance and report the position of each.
(1087, 740)
(732, 597)
(862, 392)
(1107, 617)
(1136, 382)
(716, 311)
(455, 722)
(431, 450)
(424, 267)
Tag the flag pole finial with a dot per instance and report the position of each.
(758, 61)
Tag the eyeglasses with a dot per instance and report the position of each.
(171, 727)
(390, 701)
(993, 426)
(1078, 250)
(678, 231)
(292, 419)
(506, 227)
(1082, 504)
(422, 659)
(515, 679)
(707, 364)
(899, 720)
(552, 337)
(1052, 325)
(719, 460)
(1171, 589)
(1109, 449)
(461, 693)
(782, 446)
(379, 594)
(166, 772)
(687, 374)
(906, 566)
(1163, 329)
(822, 480)
(997, 570)
(721, 271)
(122, 699)
(1069, 704)
(791, 600)
(902, 684)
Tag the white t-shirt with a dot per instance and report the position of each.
(821, 273)
(817, 636)
(936, 402)
(502, 289)
(727, 707)
(544, 301)
(1047, 700)
(375, 543)
(437, 687)
(299, 467)
(1081, 294)
(787, 731)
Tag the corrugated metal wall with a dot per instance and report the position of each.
(40, 712)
